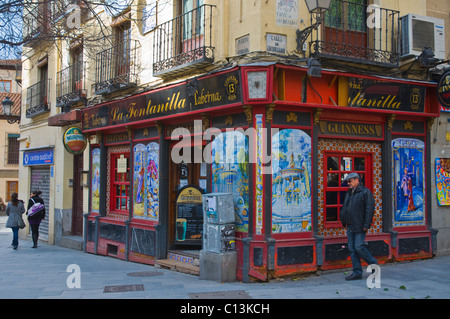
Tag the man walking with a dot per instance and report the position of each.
(357, 214)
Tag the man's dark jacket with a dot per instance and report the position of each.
(358, 209)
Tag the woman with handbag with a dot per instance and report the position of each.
(36, 213)
(14, 210)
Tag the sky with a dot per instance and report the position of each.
(10, 28)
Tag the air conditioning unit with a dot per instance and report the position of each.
(419, 32)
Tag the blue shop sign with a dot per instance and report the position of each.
(38, 157)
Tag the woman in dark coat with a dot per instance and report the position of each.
(35, 220)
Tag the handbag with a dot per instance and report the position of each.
(21, 223)
(36, 208)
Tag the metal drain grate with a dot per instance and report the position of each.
(145, 274)
(236, 294)
(123, 288)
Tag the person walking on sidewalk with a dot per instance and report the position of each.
(14, 210)
(37, 217)
(357, 214)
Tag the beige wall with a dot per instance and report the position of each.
(441, 9)
(8, 172)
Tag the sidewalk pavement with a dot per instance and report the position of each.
(48, 272)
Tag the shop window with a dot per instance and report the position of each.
(230, 172)
(95, 180)
(291, 181)
(120, 183)
(338, 166)
(146, 181)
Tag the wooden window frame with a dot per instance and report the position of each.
(120, 180)
(341, 188)
(3, 87)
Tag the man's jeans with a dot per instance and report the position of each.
(358, 250)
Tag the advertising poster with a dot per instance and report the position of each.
(443, 181)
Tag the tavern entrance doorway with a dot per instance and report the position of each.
(187, 182)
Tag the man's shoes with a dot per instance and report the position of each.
(34, 246)
(353, 277)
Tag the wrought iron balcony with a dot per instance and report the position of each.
(70, 88)
(352, 33)
(116, 67)
(184, 42)
(37, 98)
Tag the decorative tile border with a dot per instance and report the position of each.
(352, 147)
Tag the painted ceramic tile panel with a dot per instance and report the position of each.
(408, 189)
(443, 181)
(146, 182)
(95, 180)
(291, 181)
(230, 171)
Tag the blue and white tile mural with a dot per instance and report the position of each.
(291, 181)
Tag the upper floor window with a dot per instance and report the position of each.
(5, 86)
(13, 149)
(193, 22)
(76, 56)
(347, 15)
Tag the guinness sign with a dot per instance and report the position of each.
(345, 129)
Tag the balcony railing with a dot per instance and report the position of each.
(350, 33)
(116, 67)
(37, 98)
(184, 42)
(70, 87)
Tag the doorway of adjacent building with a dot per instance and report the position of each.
(11, 187)
(40, 180)
(77, 204)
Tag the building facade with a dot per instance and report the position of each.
(192, 97)
(439, 146)
(9, 130)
